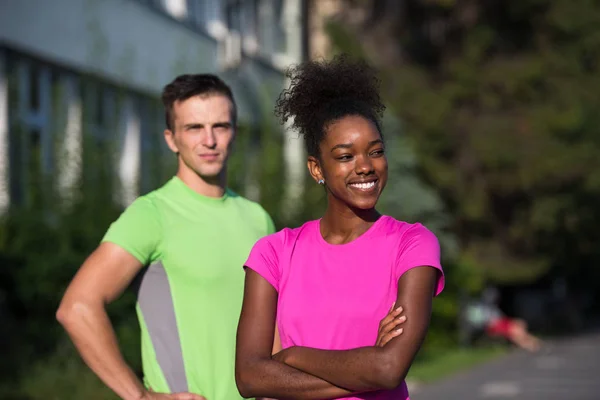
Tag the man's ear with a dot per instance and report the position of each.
(314, 168)
(169, 138)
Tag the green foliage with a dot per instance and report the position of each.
(61, 373)
(43, 241)
(500, 100)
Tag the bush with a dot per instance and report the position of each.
(42, 244)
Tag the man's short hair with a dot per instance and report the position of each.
(186, 86)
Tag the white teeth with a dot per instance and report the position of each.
(363, 186)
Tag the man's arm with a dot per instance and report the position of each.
(372, 368)
(256, 373)
(100, 280)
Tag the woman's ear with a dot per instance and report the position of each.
(314, 168)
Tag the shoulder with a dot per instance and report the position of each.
(156, 198)
(153, 206)
(411, 238)
(285, 238)
(417, 246)
(247, 204)
(406, 231)
(143, 205)
(252, 208)
(252, 212)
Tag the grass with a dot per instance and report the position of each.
(451, 361)
(62, 376)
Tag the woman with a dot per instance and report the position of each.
(327, 284)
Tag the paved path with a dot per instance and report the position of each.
(568, 370)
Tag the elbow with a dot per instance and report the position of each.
(244, 379)
(244, 387)
(64, 314)
(69, 313)
(390, 373)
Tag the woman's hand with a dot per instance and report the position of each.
(388, 327)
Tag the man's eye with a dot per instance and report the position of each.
(344, 157)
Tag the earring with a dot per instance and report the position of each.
(321, 182)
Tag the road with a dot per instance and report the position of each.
(569, 369)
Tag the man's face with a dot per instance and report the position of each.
(202, 135)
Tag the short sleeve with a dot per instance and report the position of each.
(137, 231)
(420, 247)
(264, 259)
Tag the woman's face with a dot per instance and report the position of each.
(352, 162)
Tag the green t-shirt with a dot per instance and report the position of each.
(190, 296)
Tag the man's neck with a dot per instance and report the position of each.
(201, 186)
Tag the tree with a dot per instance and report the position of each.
(500, 99)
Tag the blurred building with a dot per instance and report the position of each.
(321, 11)
(79, 78)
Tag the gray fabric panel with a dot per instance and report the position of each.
(156, 304)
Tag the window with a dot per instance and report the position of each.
(271, 35)
(30, 137)
(100, 124)
(152, 125)
(233, 15)
(54, 115)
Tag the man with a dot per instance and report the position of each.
(194, 234)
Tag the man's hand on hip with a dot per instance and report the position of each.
(174, 396)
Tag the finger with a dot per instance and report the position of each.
(397, 311)
(187, 396)
(386, 338)
(393, 324)
(395, 333)
(389, 327)
(383, 339)
(390, 316)
(386, 320)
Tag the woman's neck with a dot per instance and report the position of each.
(342, 226)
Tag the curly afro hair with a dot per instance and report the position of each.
(322, 92)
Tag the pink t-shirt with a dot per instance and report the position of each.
(333, 296)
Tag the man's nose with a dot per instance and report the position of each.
(209, 139)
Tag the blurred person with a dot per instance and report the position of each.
(193, 233)
(486, 315)
(326, 284)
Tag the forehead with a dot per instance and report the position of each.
(203, 109)
(351, 129)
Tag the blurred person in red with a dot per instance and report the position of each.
(487, 316)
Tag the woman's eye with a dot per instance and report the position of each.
(344, 157)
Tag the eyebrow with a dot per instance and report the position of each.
(349, 145)
(200, 125)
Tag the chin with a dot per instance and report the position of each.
(364, 205)
(210, 172)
